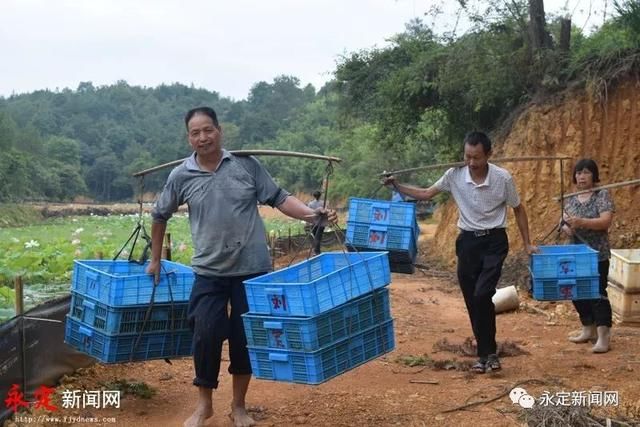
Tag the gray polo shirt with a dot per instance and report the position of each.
(227, 231)
(315, 204)
(482, 206)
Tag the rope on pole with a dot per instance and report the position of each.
(328, 172)
(561, 198)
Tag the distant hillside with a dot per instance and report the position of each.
(59, 145)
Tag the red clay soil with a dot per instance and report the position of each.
(427, 308)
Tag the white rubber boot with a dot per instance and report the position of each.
(588, 333)
(604, 337)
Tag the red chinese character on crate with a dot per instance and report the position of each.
(43, 396)
(379, 215)
(277, 301)
(566, 292)
(376, 238)
(15, 398)
(277, 338)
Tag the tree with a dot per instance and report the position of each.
(8, 132)
(15, 183)
(271, 106)
(101, 175)
(64, 150)
(540, 38)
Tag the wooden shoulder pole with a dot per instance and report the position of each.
(459, 164)
(602, 187)
(247, 153)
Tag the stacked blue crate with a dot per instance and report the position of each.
(380, 225)
(319, 318)
(110, 318)
(565, 272)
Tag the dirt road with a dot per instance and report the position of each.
(387, 392)
(381, 393)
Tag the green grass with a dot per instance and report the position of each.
(43, 253)
(412, 360)
(17, 215)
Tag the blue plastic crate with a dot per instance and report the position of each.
(382, 212)
(313, 333)
(118, 348)
(324, 364)
(401, 242)
(120, 282)
(564, 261)
(395, 257)
(317, 284)
(566, 289)
(128, 319)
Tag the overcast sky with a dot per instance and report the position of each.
(225, 46)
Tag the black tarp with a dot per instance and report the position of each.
(33, 352)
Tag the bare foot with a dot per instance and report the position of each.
(198, 417)
(241, 418)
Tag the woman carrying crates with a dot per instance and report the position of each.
(587, 218)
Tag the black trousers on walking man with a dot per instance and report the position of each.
(480, 258)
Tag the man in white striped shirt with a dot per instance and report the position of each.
(482, 192)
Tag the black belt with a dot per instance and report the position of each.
(482, 233)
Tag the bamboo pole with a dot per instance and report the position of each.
(19, 302)
(458, 164)
(602, 187)
(247, 153)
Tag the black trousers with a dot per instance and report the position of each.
(596, 311)
(480, 260)
(211, 323)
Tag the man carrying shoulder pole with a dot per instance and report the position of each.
(482, 192)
